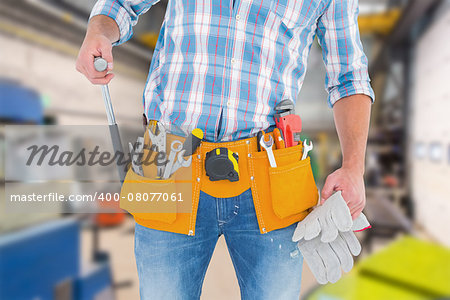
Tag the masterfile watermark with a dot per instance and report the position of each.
(72, 153)
(53, 155)
(73, 169)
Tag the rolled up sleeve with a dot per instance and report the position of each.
(124, 12)
(345, 62)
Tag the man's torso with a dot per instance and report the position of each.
(222, 66)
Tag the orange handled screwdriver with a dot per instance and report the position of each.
(279, 141)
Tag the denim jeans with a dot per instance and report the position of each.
(173, 266)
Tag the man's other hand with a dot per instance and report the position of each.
(351, 184)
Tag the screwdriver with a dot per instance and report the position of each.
(259, 135)
(192, 142)
(279, 141)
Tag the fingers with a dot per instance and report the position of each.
(95, 77)
(354, 196)
(102, 81)
(331, 262)
(85, 65)
(299, 232)
(328, 188)
(343, 253)
(352, 187)
(329, 231)
(341, 215)
(356, 210)
(312, 229)
(308, 228)
(317, 267)
(106, 53)
(327, 259)
(352, 242)
(95, 46)
(313, 260)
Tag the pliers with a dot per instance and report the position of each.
(158, 139)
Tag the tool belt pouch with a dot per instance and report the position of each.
(293, 189)
(149, 198)
(289, 187)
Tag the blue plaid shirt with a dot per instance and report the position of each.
(223, 65)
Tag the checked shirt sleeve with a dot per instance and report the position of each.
(124, 12)
(342, 50)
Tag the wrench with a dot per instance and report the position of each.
(181, 162)
(268, 146)
(306, 148)
(175, 147)
(136, 156)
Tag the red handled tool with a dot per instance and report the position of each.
(288, 122)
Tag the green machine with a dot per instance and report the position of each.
(408, 269)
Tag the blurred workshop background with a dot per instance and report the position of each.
(85, 256)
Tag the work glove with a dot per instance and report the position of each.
(327, 241)
(327, 259)
(325, 220)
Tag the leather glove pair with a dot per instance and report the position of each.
(327, 241)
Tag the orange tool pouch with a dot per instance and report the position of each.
(282, 195)
(168, 214)
(285, 194)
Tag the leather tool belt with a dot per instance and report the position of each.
(282, 196)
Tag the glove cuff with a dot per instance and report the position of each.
(370, 226)
(361, 223)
